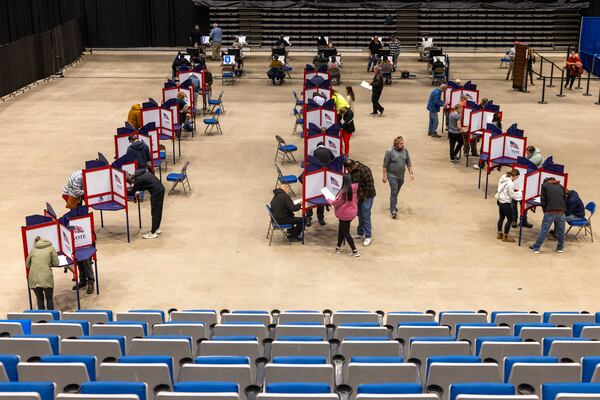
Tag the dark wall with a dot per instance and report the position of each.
(593, 10)
(21, 18)
(142, 23)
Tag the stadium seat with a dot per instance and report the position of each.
(155, 371)
(590, 371)
(127, 329)
(220, 369)
(63, 329)
(92, 316)
(537, 333)
(46, 316)
(196, 396)
(590, 330)
(179, 348)
(353, 316)
(346, 330)
(375, 370)
(396, 317)
(67, 372)
(495, 351)
(281, 373)
(29, 348)
(528, 374)
(149, 317)
(207, 317)
(567, 318)
(452, 318)
(421, 349)
(301, 330)
(573, 349)
(109, 388)
(45, 390)
(496, 389)
(550, 391)
(369, 348)
(15, 327)
(470, 332)
(195, 330)
(295, 346)
(258, 330)
(407, 330)
(303, 316)
(8, 368)
(510, 318)
(104, 348)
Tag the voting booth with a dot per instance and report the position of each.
(163, 122)
(476, 119)
(148, 135)
(105, 189)
(62, 238)
(504, 149)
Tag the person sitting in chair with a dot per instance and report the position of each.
(325, 156)
(276, 70)
(386, 70)
(283, 209)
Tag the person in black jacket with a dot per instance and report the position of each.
(377, 85)
(325, 156)
(553, 202)
(374, 47)
(140, 152)
(283, 208)
(143, 180)
(321, 42)
(196, 36)
(347, 127)
(575, 207)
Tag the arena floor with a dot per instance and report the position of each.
(441, 252)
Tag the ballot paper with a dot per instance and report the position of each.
(327, 193)
(366, 85)
(326, 38)
(287, 39)
(62, 260)
(242, 40)
(298, 201)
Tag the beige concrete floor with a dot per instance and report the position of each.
(441, 253)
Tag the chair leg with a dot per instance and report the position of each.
(276, 153)
(184, 190)
(591, 232)
(188, 183)
(271, 240)
(567, 232)
(173, 187)
(291, 190)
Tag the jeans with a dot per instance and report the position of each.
(505, 210)
(372, 62)
(364, 217)
(572, 217)
(344, 234)
(86, 273)
(40, 293)
(456, 142)
(559, 228)
(433, 123)
(395, 60)
(156, 209)
(395, 185)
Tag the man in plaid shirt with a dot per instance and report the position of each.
(362, 175)
(395, 50)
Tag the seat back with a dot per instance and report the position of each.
(278, 170)
(280, 140)
(452, 318)
(301, 330)
(287, 348)
(207, 317)
(498, 351)
(441, 375)
(38, 390)
(512, 318)
(33, 317)
(67, 377)
(591, 207)
(404, 333)
(149, 317)
(344, 317)
(157, 377)
(195, 330)
(184, 168)
(28, 349)
(420, 351)
(243, 375)
(361, 373)
(104, 350)
(14, 327)
(537, 334)
(560, 319)
(110, 388)
(303, 316)
(90, 316)
(247, 329)
(247, 348)
(574, 350)
(471, 333)
(62, 330)
(179, 349)
(343, 332)
(129, 331)
(69, 396)
(376, 348)
(529, 377)
(397, 317)
(196, 396)
(279, 373)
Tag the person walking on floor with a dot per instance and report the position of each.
(39, 262)
(454, 134)
(434, 104)
(374, 47)
(216, 37)
(553, 201)
(377, 89)
(505, 195)
(362, 175)
(395, 163)
(346, 209)
(530, 62)
(196, 36)
(143, 180)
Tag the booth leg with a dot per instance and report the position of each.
(127, 222)
(487, 178)
(78, 297)
(587, 90)
(101, 219)
(173, 150)
(303, 221)
(160, 172)
(467, 160)
(520, 230)
(479, 183)
(179, 144)
(97, 279)
(29, 293)
(140, 215)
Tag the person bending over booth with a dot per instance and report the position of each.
(325, 156)
(40, 261)
(143, 180)
(553, 202)
(283, 209)
(72, 192)
(534, 155)
(505, 196)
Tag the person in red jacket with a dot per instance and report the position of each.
(346, 209)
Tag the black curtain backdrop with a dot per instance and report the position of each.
(142, 23)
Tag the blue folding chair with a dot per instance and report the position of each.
(178, 178)
(218, 102)
(584, 223)
(504, 60)
(299, 102)
(228, 74)
(212, 123)
(286, 180)
(273, 226)
(286, 150)
(299, 122)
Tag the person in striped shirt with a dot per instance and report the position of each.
(395, 50)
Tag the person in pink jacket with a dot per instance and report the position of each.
(346, 209)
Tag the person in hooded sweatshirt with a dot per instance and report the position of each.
(346, 209)
(139, 151)
(575, 207)
(143, 180)
(505, 196)
(40, 261)
(283, 209)
(534, 155)
(553, 201)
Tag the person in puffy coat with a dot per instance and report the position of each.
(40, 261)
(346, 209)
(505, 196)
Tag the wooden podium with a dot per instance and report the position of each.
(520, 66)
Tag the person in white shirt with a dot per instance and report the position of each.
(511, 63)
(505, 195)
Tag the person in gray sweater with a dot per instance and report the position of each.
(395, 163)
(554, 203)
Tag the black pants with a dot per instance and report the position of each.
(156, 209)
(505, 210)
(320, 213)
(570, 81)
(39, 296)
(456, 142)
(296, 223)
(344, 234)
(515, 205)
(530, 73)
(86, 273)
(467, 145)
(375, 100)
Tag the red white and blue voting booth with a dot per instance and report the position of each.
(163, 121)
(62, 238)
(105, 189)
(147, 135)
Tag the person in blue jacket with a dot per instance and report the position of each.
(575, 207)
(434, 104)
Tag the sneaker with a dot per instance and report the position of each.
(394, 215)
(90, 288)
(158, 232)
(338, 251)
(150, 235)
(367, 241)
(453, 161)
(560, 251)
(535, 251)
(476, 166)
(381, 112)
(435, 135)
(322, 221)
(508, 238)
(355, 253)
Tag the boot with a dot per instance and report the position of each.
(499, 235)
(90, 288)
(308, 221)
(508, 238)
(81, 285)
(526, 224)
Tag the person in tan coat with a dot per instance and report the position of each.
(134, 117)
(40, 261)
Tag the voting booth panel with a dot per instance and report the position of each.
(151, 140)
(184, 76)
(162, 119)
(317, 180)
(188, 93)
(532, 186)
(104, 185)
(519, 183)
(310, 74)
(331, 142)
(504, 149)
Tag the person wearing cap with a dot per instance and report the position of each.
(143, 180)
(553, 200)
(216, 37)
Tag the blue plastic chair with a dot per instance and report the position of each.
(212, 123)
(286, 180)
(286, 150)
(273, 226)
(180, 177)
(584, 223)
(298, 123)
(218, 102)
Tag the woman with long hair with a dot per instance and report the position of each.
(505, 196)
(350, 98)
(346, 209)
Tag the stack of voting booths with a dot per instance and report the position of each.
(320, 126)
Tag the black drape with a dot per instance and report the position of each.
(142, 23)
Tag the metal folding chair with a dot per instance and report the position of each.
(212, 123)
(286, 150)
(584, 224)
(180, 177)
(286, 180)
(273, 225)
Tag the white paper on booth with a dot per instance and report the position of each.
(62, 261)
(82, 229)
(327, 193)
(287, 39)
(334, 181)
(298, 201)
(514, 147)
(366, 85)
(66, 242)
(333, 144)
(313, 184)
